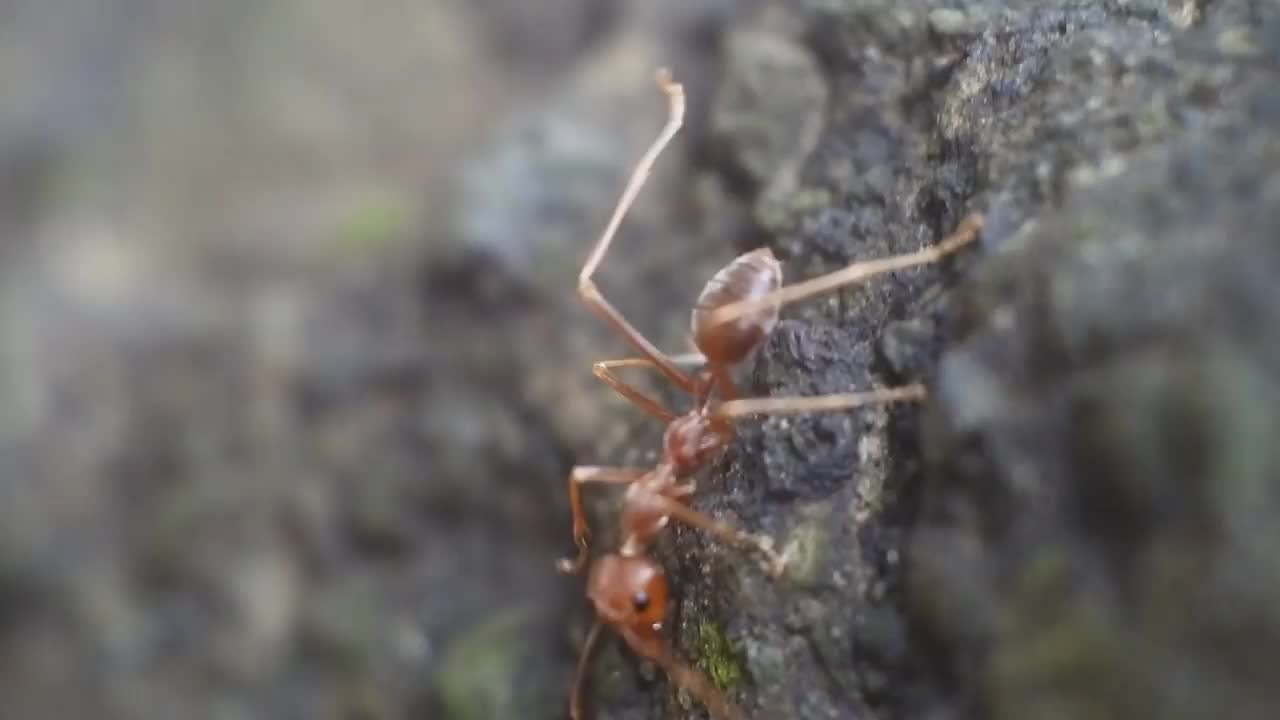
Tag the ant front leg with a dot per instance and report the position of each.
(774, 563)
(585, 474)
(587, 289)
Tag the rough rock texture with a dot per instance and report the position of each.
(1098, 534)
(1090, 534)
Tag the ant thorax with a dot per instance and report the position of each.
(691, 440)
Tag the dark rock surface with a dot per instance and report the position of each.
(1076, 525)
(292, 368)
(1103, 469)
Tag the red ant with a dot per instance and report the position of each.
(733, 315)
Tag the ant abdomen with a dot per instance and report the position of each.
(747, 277)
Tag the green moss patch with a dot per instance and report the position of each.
(718, 658)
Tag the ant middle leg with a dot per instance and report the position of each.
(604, 371)
(964, 234)
(587, 289)
(644, 402)
(578, 476)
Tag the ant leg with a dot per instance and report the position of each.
(818, 403)
(585, 474)
(719, 376)
(602, 370)
(575, 695)
(692, 359)
(684, 676)
(587, 289)
(726, 532)
(644, 402)
(964, 234)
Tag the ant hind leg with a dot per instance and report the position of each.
(587, 289)
(964, 234)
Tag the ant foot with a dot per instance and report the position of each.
(685, 490)
(573, 566)
(779, 565)
(774, 564)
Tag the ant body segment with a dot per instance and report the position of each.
(734, 314)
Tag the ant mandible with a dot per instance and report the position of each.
(733, 315)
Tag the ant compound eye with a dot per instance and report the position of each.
(641, 601)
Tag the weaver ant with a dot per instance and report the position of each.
(733, 315)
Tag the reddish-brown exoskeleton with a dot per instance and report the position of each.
(733, 315)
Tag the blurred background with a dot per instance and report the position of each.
(292, 365)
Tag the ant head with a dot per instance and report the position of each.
(630, 593)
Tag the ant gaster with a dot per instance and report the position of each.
(735, 312)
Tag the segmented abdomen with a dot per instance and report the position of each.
(747, 277)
